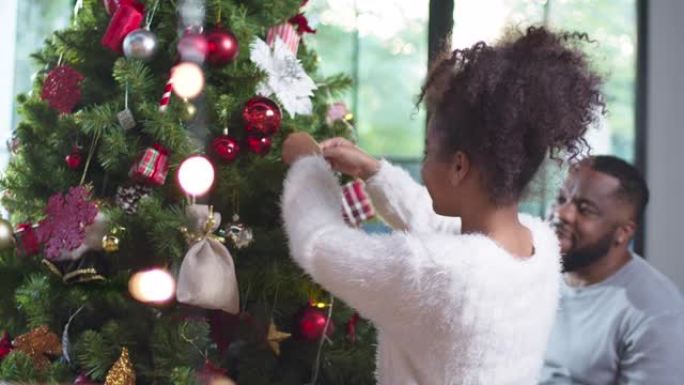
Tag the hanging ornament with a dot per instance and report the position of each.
(166, 96)
(110, 243)
(187, 80)
(310, 324)
(302, 24)
(286, 78)
(285, 32)
(140, 44)
(112, 5)
(41, 345)
(351, 327)
(152, 166)
(189, 112)
(356, 205)
(259, 145)
(126, 119)
(337, 111)
(207, 275)
(225, 147)
(154, 286)
(193, 47)
(275, 337)
(72, 226)
(128, 197)
(62, 88)
(125, 20)
(223, 47)
(26, 240)
(66, 344)
(238, 233)
(6, 235)
(5, 345)
(210, 373)
(83, 379)
(262, 116)
(74, 160)
(196, 175)
(121, 373)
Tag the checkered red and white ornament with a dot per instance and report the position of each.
(152, 167)
(356, 205)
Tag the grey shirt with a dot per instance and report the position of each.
(628, 329)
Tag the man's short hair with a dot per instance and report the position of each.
(633, 188)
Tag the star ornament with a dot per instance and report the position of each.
(285, 76)
(275, 337)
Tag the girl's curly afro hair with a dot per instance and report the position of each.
(509, 105)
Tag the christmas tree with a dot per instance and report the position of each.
(148, 119)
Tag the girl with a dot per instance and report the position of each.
(465, 291)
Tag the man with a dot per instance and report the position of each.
(619, 320)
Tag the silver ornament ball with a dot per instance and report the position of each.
(6, 235)
(140, 44)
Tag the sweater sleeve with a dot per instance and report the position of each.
(653, 352)
(379, 275)
(404, 204)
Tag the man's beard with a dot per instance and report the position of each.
(581, 257)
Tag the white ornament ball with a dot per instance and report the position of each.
(140, 44)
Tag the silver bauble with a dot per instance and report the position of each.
(6, 235)
(140, 44)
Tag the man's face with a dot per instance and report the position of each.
(586, 215)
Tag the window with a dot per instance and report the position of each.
(613, 27)
(35, 21)
(384, 45)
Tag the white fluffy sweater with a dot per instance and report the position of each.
(449, 308)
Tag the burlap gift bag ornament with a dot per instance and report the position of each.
(207, 274)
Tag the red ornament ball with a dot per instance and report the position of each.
(74, 160)
(193, 47)
(62, 88)
(310, 324)
(223, 47)
(5, 345)
(259, 144)
(225, 147)
(262, 116)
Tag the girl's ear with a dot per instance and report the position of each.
(460, 167)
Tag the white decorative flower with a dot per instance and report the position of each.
(286, 76)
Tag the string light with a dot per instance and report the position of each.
(196, 175)
(188, 80)
(152, 286)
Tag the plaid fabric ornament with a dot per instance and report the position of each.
(153, 166)
(356, 206)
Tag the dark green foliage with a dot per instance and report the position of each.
(169, 343)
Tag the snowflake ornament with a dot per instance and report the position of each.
(286, 76)
(64, 228)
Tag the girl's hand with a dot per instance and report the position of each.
(348, 159)
(297, 145)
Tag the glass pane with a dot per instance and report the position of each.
(36, 20)
(487, 20)
(389, 62)
(612, 24)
